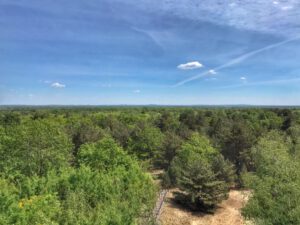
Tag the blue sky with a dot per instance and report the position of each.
(150, 52)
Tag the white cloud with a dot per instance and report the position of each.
(213, 72)
(58, 85)
(137, 91)
(275, 2)
(244, 80)
(190, 65)
(288, 7)
(238, 60)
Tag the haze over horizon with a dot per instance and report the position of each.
(169, 52)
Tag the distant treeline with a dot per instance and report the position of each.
(89, 165)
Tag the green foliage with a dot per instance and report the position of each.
(189, 118)
(40, 185)
(8, 202)
(38, 209)
(146, 142)
(41, 144)
(168, 122)
(276, 195)
(41, 209)
(103, 155)
(294, 134)
(223, 169)
(200, 145)
(81, 165)
(82, 132)
(10, 118)
(241, 139)
(195, 172)
(113, 197)
(116, 189)
(171, 145)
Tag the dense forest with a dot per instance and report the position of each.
(93, 165)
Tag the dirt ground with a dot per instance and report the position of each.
(228, 212)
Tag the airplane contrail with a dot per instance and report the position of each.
(237, 60)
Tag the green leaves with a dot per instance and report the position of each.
(73, 162)
(146, 142)
(113, 184)
(275, 184)
(103, 155)
(38, 209)
(41, 144)
(108, 186)
(195, 171)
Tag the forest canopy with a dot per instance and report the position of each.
(92, 165)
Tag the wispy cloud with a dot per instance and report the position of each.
(257, 15)
(238, 60)
(137, 91)
(244, 80)
(212, 72)
(58, 85)
(155, 36)
(190, 65)
(287, 7)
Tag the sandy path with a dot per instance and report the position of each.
(227, 214)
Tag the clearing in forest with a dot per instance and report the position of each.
(228, 212)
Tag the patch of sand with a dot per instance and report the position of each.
(228, 212)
